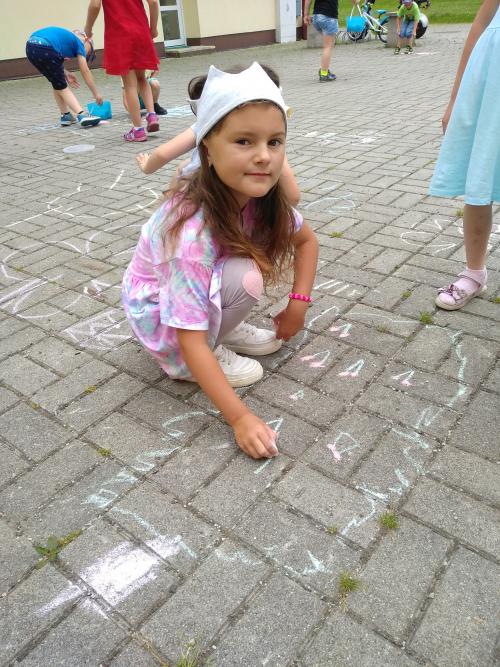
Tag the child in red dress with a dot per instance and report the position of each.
(128, 52)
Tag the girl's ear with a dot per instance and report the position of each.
(204, 148)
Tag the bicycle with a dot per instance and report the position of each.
(377, 26)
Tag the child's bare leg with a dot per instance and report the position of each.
(66, 99)
(326, 54)
(63, 107)
(130, 91)
(145, 90)
(472, 281)
(155, 90)
(477, 230)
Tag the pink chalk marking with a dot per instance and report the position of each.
(353, 370)
(344, 330)
(321, 361)
(404, 378)
(336, 454)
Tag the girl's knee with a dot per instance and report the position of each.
(245, 272)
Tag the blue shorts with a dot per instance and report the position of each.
(47, 61)
(406, 29)
(325, 24)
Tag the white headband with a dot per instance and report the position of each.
(224, 92)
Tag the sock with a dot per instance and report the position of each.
(469, 284)
(80, 113)
(324, 72)
(138, 128)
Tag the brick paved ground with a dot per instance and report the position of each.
(182, 537)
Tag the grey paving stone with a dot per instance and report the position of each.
(273, 626)
(397, 578)
(198, 609)
(56, 354)
(306, 551)
(429, 386)
(349, 376)
(19, 340)
(134, 359)
(468, 472)
(368, 338)
(17, 556)
(25, 376)
(408, 410)
(88, 632)
(330, 503)
(297, 399)
(312, 360)
(79, 504)
(478, 430)
(459, 515)
(129, 578)
(176, 419)
(398, 460)
(474, 325)
(93, 406)
(294, 435)
(65, 390)
(37, 486)
(33, 607)
(388, 261)
(387, 293)
(237, 487)
(135, 654)
(346, 642)
(493, 380)
(395, 324)
(140, 446)
(471, 359)
(169, 529)
(459, 626)
(32, 432)
(429, 347)
(12, 464)
(348, 439)
(191, 467)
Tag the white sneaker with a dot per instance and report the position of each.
(239, 371)
(247, 339)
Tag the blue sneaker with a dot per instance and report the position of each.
(86, 120)
(67, 119)
(326, 77)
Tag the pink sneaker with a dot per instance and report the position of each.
(136, 135)
(153, 122)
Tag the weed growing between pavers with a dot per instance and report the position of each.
(191, 656)
(459, 213)
(333, 530)
(54, 546)
(90, 390)
(103, 451)
(389, 521)
(495, 299)
(425, 317)
(336, 235)
(406, 294)
(382, 328)
(347, 584)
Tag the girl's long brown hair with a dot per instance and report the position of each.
(270, 244)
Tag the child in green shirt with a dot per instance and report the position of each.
(408, 18)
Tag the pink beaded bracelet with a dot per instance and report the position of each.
(300, 297)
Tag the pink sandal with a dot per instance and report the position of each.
(455, 296)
